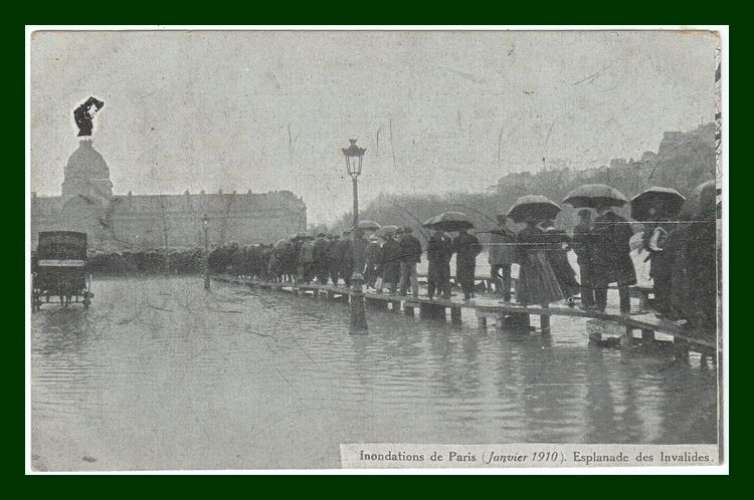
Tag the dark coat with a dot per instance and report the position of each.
(373, 259)
(611, 260)
(501, 252)
(391, 258)
(411, 249)
(701, 255)
(583, 243)
(344, 250)
(439, 248)
(467, 247)
(439, 252)
(321, 246)
(373, 254)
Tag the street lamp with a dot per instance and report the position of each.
(354, 158)
(205, 224)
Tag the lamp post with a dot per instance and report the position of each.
(205, 224)
(354, 158)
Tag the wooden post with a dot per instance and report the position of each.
(432, 311)
(499, 322)
(627, 339)
(481, 320)
(455, 315)
(681, 349)
(643, 300)
(544, 321)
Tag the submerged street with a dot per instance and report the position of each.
(160, 373)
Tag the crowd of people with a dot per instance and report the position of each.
(388, 262)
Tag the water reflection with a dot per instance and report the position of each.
(159, 374)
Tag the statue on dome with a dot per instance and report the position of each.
(84, 114)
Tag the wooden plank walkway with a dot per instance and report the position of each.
(501, 313)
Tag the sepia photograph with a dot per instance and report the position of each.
(376, 250)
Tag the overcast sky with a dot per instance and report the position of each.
(271, 110)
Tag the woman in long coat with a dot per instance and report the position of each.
(439, 251)
(373, 258)
(467, 247)
(557, 256)
(611, 259)
(537, 283)
(390, 265)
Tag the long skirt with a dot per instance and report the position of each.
(563, 272)
(537, 283)
(391, 272)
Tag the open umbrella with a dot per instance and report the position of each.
(282, 243)
(368, 225)
(593, 195)
(449, 221)
(431, 221)
(534, 206)
(701, 203)
(301, 236)
(386, 230)
(667, 201)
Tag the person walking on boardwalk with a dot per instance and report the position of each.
(466, 247)
(537, 283)
(359, 252)
(306, 260)
(656, 232)
(390, 264)
(333, 259)
(439, 251)
(501, 253)
(583, 245)
(372, 264)
(555, 241)
(321, 263)
(345, 257)
(612, 258)
(411, 253)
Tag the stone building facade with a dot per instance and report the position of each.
(131, 221)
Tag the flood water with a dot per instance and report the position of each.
(160, 374)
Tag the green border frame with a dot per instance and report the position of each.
(137, 12)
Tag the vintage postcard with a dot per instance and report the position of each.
(377, 249)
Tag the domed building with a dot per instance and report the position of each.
(87, 192)
(139, 222)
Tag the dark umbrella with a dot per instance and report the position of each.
(283, 243)
(701, 203)
(449, 221)
(534, 206)
(300, 236)
(368, 225)
(429, 223)
(667, 201)
(386, 230)
(593, 195)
